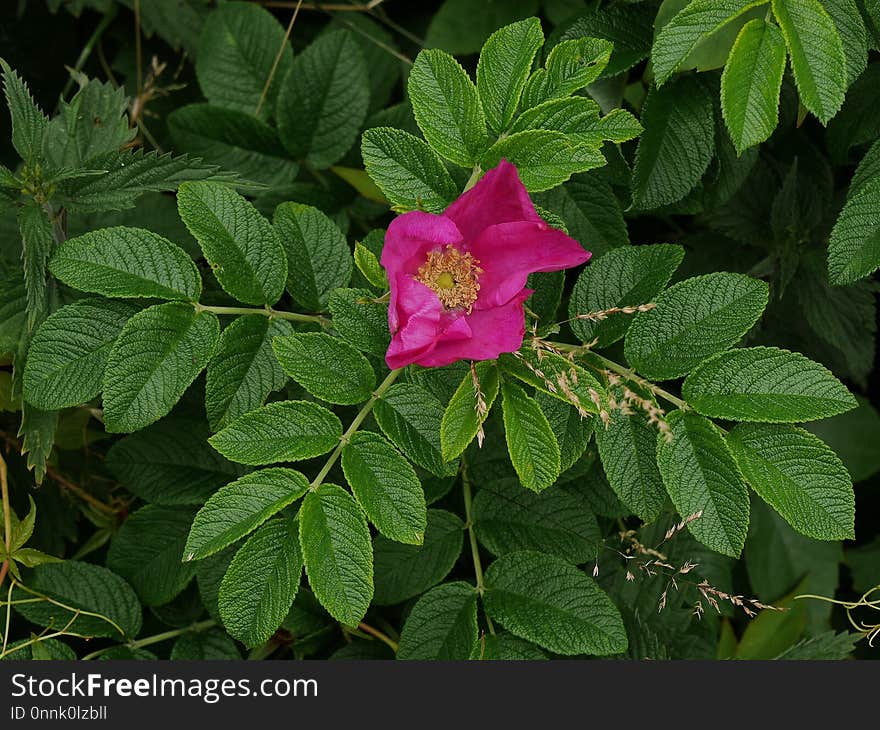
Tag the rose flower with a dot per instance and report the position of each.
(458, 280)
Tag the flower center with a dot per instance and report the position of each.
(453, 276)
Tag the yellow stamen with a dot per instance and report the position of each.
(452, 276)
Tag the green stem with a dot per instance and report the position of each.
(472, 537)
(620, 370)
(157, 638)
(474, 178)
(267, 312)
(353, 427)
(388, 641)
(87, 49)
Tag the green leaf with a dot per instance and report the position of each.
(702, 478)
(677, 145)
(817, 55)
(92, 123)
(505, 647)
(66, 358)
(31, 558)
(556, 376)
(233, 140)
(507, 518)
(628, 448)
(130, 174)
(543, 158)
(456, 28)
(590, 210)
(442, 624)
(530, 440)
(410, 417)
(503, 69)
(386, 487)
(698, 20)
(853, 436)
(854, 247)
(338, 553)
(578, 118)
(571, 65)
(280, 431)
(210, 645)
(28, 121)
(405, 571)
(824, 646)
(318, 256)
(324, 100)
(239, 507)
(127, 262)
(360, 320)
(799, 476)
(751, 83)
(327, 367)
(159, 353)
(693, 320)
(237, 50)
(241, 246)
(243, 370)
(853, 35)
(625, 277)
(259, 587)
(368, 264)
(209, 576)
(447, 108)
(37, 432)
(572, 429)
(765, 384)
(37, 243)
(550, 602)
(626, 26)
(85, 587)
(148, 552)
(407, 170)
(44, 649)
(170, 463)
(467, 410)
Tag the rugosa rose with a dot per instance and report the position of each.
(458, 279)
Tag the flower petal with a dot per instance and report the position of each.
(498, 197)
(509, 252)
(419, 322)
(493, 331)
(411, 236)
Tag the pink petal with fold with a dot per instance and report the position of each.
(509, 252)
(498, 197)
(493, 332)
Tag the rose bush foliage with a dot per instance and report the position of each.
(543, 330)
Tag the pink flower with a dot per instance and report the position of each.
(458, 279)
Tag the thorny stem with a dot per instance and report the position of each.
(266, 312)
(353, 427)
(472, 536)
(157, 638)
(620, 370)
(388, 641)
